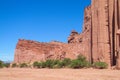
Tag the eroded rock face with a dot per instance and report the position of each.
(100, 31)
(99, 40)
(105, 24)
(30, 51)
(83, 39)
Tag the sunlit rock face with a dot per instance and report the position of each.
(105, 24)
(99, 40)
(30, 51)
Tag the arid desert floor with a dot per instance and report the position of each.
(58, 74)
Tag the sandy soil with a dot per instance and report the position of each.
(58, 74)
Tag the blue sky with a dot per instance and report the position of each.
(39, 20)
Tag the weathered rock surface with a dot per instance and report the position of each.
(99, 41)
(105, 24)
(30, 51)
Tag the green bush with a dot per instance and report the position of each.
(14, 65)
(37, 64)
(6, 65)
(43, 64)
(81, 58)
(49, 63)
(1, 64)
(100, 65)
(80, 62)
(23, 65)
(55, 62)
(61, 64)
(76, 64)
(58, 65)
(66, 62)
(52, 63)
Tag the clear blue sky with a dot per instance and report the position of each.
(39, 20)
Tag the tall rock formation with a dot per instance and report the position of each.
(99, 40)
(115, 32)
(100, 31)
(105, 24)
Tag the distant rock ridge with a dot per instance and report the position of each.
(99, 40)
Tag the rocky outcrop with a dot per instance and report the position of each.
(99, 40)
(101, 32)
(83, 39)
(74, 37)
(30, 51)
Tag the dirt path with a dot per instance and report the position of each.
(58, 74)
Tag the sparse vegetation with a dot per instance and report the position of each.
(52, 63)
(43, 64)
(14, 65)
(23, 65)
(80, 62)
(100, 65)
(1, 64)
(58, 64)
(49, 63)
(37, 65)
(66, 62)
(7, 65)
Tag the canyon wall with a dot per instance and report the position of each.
(99, 40)
(100, 31)
(105, 25)
(30, 51)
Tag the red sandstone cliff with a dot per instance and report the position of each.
(30, 51)
(99, 41)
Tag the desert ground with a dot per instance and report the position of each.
(58, 74)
